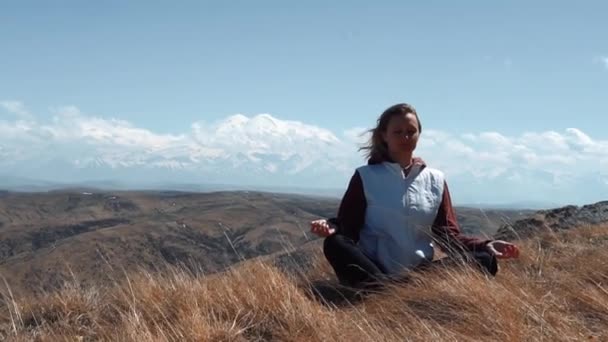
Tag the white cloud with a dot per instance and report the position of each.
(269, 149)
(16, 108)
(357, 135)
(71, 124)
(489, 154)
(582, 139)
(603, 60)
(237, 145)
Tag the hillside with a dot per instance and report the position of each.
(556, 291)
(46, 236)
(95, 236)
(555, 220)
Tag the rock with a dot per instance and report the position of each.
(554, 220)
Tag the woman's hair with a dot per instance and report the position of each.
(376, 149)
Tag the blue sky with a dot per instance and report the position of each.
(521, 70)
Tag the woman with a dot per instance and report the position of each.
(395, 209)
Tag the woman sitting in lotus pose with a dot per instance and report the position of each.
(394, 209)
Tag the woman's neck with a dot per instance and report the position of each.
(405, 160)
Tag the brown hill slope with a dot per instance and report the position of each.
(556, 291)
(555, 220)
(42, 235)
(46, 237)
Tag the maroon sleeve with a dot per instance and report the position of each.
(351, 214)
(446, 229)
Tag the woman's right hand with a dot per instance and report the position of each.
(321, 228)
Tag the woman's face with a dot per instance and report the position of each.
(401, 134)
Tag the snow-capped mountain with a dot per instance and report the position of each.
(237, 150)
(265, 151)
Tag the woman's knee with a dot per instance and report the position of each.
(487, 261)
(334, 244)
(329, 244)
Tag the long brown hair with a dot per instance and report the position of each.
(376, 149)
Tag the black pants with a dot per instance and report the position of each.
(354, 268)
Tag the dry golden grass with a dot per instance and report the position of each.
(557, 290)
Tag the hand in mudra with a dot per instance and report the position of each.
(321, 228)
(503, 250)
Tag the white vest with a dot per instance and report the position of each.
(400, 212)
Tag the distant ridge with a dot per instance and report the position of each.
(19, 184)
(554, 220)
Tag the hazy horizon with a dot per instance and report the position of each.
(92, 186)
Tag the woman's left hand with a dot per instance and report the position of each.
(502, 249)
